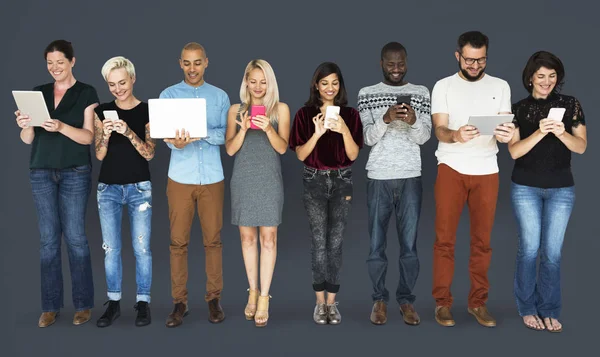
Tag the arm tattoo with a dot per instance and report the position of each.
(144, 148)
(99, 140)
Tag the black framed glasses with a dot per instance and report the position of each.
(469, 61)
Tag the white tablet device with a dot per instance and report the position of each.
(331, 113)
(486, 124)
(170, 114)
(32, 103)
(556, 114)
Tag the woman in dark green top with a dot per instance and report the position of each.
(60, 180)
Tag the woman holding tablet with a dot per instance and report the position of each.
(328, 147)
(257, 141)
(543, 190)
(60, 180)
(123, 144)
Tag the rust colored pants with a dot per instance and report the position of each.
(452, 190)
(183, 200)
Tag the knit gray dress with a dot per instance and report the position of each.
(256, 182)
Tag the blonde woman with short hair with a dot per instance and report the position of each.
(124, 146)
(258, 130)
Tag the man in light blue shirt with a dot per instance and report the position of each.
(196, 180)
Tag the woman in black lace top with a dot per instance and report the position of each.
(543, 190)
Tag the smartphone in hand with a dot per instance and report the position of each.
(403, 99)
(556, 114)
(331, 113)
(254, 111)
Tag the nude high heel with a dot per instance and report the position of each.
(262, 312)
(250, 309)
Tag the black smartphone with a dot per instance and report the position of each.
(403, 99)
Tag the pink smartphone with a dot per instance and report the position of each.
(254, 111)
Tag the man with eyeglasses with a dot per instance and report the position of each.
(467, 172)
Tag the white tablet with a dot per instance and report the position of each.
(32, 103)
(486, 124)
(170, 114)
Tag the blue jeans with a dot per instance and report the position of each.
(403, 198)
(138, 199)
(60, 198)
(542, 217)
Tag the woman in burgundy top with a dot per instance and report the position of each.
(543, 191)
(328, 147)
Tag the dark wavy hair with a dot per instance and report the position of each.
(475, 39)
(324, 70)
(62, 46)
(543, 59)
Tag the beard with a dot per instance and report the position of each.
(468, 76)
(388, 77)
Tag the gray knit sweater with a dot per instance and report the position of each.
(395, 152)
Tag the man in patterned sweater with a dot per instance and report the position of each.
(396, 120)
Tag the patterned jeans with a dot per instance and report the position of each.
(327, 199)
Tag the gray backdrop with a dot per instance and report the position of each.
(294, 38)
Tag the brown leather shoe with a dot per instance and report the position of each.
(47, 319)
(215, 311)
(483, 316)
(175, 318)
(82, 317)
(379, 313)
(409, 314)
(443, 316)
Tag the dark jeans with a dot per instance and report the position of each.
(327, 199)
(403, 198)
(60, 198)
(542, 216)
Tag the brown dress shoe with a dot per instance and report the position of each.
(47, 319)
(409, 314)
(483, 316)
(379, 313)
(82, 317)
(215, 311)
(443, 316)
(175, 318)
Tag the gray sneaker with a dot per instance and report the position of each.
(320, 314)
(333, 314)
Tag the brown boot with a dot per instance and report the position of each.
(483, 316)
(409, 314)
(82, 317)
(215, 311)
(379, 313)
(47, 319)
(175, 318)
(443, 316)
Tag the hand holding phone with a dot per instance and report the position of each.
(331, 113)
(254, 111)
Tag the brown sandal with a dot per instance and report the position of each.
(538, 321)
(250, 309)
(262, 311)
(552, 325)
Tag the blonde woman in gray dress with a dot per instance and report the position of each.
(257, 141)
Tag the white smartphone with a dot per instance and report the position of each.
(111, 115)
(556, 114)
(331, 113)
